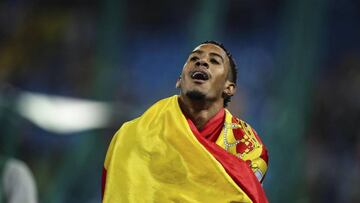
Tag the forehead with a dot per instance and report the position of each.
(211, 48)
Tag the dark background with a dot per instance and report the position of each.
(298, 85)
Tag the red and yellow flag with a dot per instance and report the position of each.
(157, 158)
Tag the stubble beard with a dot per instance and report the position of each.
(195, 95)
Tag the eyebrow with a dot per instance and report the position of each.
(211, 53)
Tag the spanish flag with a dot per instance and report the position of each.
(157, 158)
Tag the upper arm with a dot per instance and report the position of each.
(259, 163)
(251, 149)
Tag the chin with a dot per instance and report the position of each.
(196, 95)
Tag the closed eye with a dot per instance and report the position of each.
(194, 58)
(214, 61)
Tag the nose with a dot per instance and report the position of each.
(202, 63)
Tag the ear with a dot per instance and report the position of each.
(178, 82)
(229, 88)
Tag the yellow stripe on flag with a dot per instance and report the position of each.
(156, 158)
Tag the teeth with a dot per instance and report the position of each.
(193, 75)
(199, 75)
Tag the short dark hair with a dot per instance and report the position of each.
(232, 76)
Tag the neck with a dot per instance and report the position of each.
(200, 112)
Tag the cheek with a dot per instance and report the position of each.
(221, 76)
(185, 70)
(186, 66)
(219, 82)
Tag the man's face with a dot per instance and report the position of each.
(205, 73)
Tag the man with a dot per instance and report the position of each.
(189, 148)
(17, 183)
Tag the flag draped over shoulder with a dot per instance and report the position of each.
(157, 158)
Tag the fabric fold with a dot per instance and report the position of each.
(157, 158)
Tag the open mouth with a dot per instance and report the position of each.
(199, 75)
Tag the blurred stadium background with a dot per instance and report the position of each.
(72, 71)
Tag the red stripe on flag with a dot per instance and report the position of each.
(238, 170)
